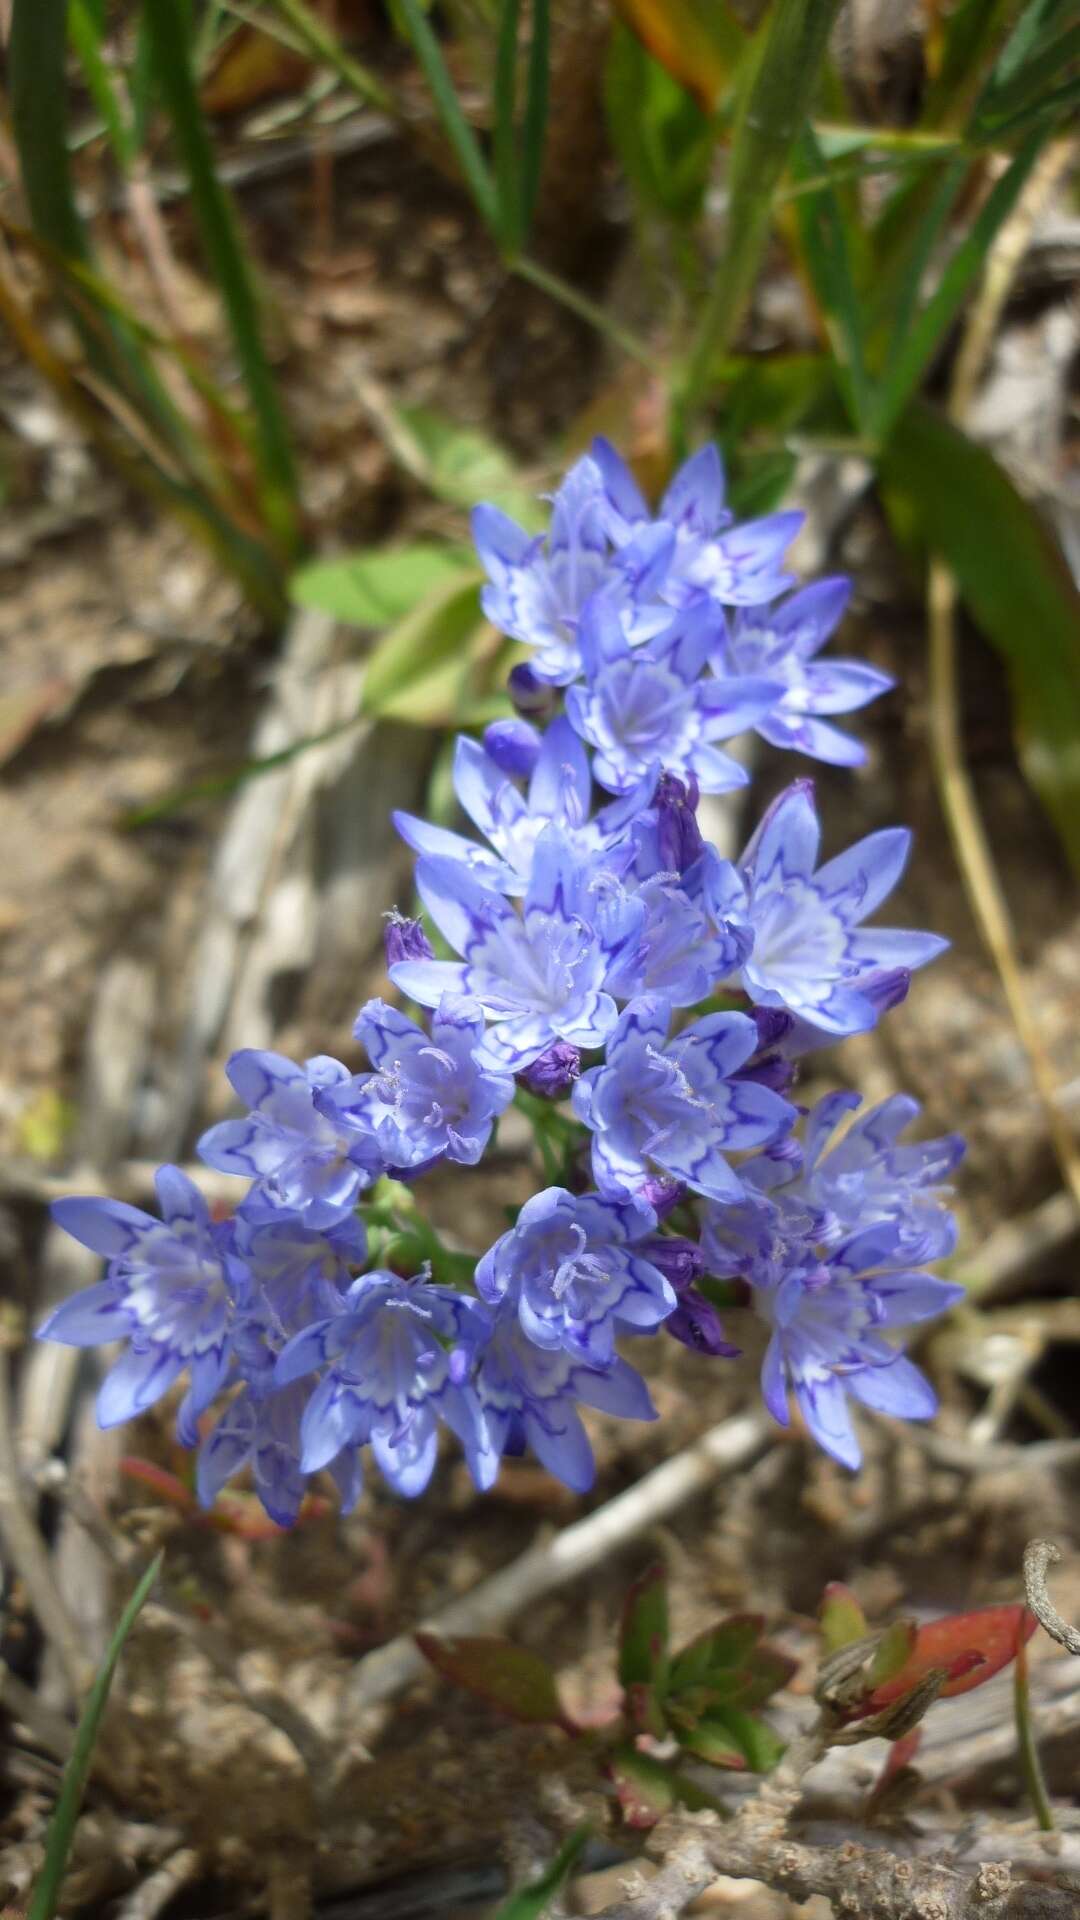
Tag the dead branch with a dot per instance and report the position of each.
(1038, 1555)
(29, 1555)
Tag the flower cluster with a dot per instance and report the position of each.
(643, 1000)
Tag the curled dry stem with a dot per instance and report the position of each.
(1038, 1555)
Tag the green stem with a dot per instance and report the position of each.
(773, 112)
(1030, 1763)
(586, 309)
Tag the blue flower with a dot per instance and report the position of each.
(262, 1431)
(539, 976)
(576, 1272)
(734, 565)
(676, 1105)
(396, 1362)
(164, 1291)
(529, 1395)
(538, 586)
(559, 794)
(282, 1275)
(302, 1160)
(648, 707)
(780, 643)
(811, 953)
(868, 1177)
(405, 940)
(552, 1074)
(428, 1097)
(514, 745)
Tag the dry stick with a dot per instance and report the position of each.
(49, 1729)
(1038, 1555)
(574, 1551)
(29, 1555)
(976, 862)
(150, 1899)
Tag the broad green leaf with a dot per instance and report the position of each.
(528, 1903)
(433, 642)
(380, 584)
(842, 1619)
(699, 42)
(516, 1681)
(464, 466)
(643, 1640)
(1015, 580)
(46, 1895)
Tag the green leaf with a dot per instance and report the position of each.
(827, 242)
(46, 1895)
(728, 1737)
(662, 138)
(721, 1649)
(842, 1619)
(86, 31)
(417, 670)
(528, 1903)
(511, 1678)
(645, 1788)
(916, 345)
(643, 1639)
(698, 42)
(504, 130)
(766, 1672)
(377, 585)
(1017, 585)
(891, 1653)
(458, 132)
(462, 465)
(167, 25)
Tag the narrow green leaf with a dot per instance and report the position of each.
(528, 1903)
(37, 83)
(504, 126)
(1014, 579)
(426, 654)
(790, 48)
(535, 117)
(167, 26)
(1031, 89)
(917, 344)
(698, 42)
(828, 256)
(46, 1895)
(86, 36)
(901, 260)
(643, 1639)
(376, 586)
(458, 132)
(662, 137)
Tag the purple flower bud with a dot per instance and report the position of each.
(696, 1324)
(680, 1261)
(772, 1024)
(772, 1072)
(677, 831)
(514, 746)
(405, 940)
(533, 698)
(553, 1072)
(662, 1193)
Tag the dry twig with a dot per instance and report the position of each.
(1038, 1555)
(29, 1555)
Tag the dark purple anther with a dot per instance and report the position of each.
(514, 746)
(553, 1072)
(677, 832)
(405, 940)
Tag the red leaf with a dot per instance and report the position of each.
(519, 1683)
(970, 1647)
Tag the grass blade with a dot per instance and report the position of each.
(504, 134)
(85, 32)
(62, 1825)
(535, 117)
(1014, 579)
(167, 27)
(827, 253)
(37, 83)
(790, 50)
(455, 126)
(916, 345)
(528, 1902)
